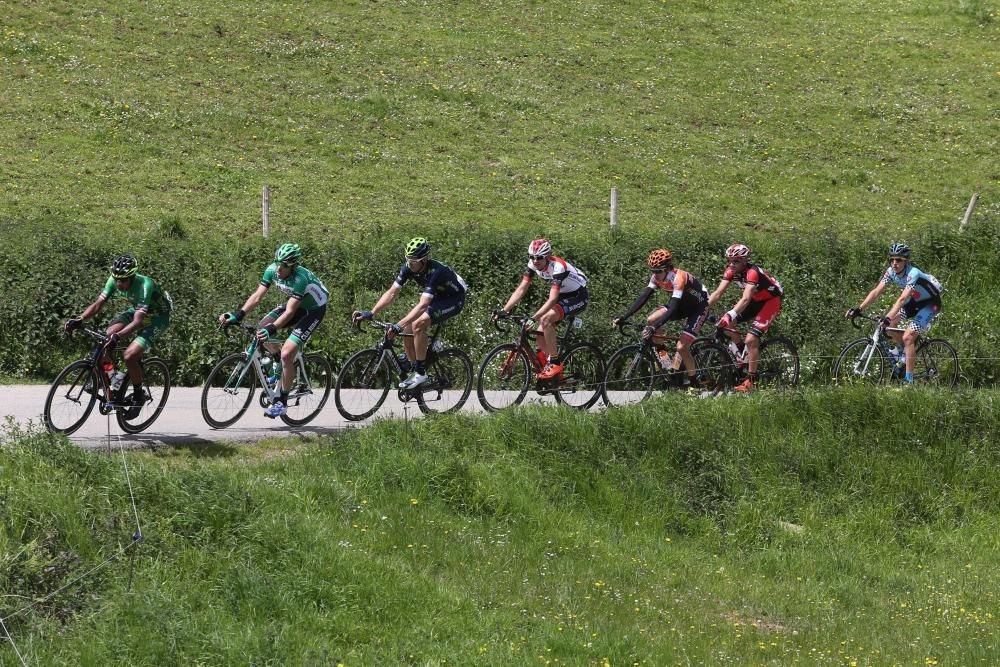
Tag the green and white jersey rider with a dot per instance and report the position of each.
(145, 296)
(301, 284)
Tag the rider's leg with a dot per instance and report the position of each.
(288, 353)
(419, 340)
(752, 341)
(133, 353)
(910, 337)
(549, 342)
(658, 337)
(684, 350)
(113, 328)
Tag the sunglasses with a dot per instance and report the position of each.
(659, 270)
(537, 257)
(286, 265)
(897, 259)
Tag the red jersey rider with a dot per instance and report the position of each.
(567, 296)
(759, 304)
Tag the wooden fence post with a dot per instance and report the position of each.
(267, 210)
(968, 212)
(614, 207)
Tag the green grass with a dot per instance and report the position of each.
(818, 527)
(125, 117)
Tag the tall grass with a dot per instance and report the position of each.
(823, 527)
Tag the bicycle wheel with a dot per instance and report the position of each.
(228, 391)
(629, 376)
(310, 389)
(449, 374)
(583, 376)
(155, 389)
(714, 366)
(503, 377)
(860, 363)
(936, 364)
(778, 365)
(71, 398)
(362, 385)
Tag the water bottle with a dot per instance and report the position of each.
(404, 362)
(577, 323)
(265, 363)
(665, 359)
(739, 353)
(437, 346)
(117, 380)
(109, 370)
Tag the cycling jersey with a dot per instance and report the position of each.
(301, 284)
(767, 286)
(681, 285)
(437, 279)
(558, 272)
(926, 288)
(143, 294)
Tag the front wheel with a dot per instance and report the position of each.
(310, 389)
(860, 362)
(936, 364)
(583, 375)
(362, 385)
(228, 391)
(629, 376)
(449, 382)
(714, 367)
(503, 378)
(778, 365)
(155, 389)
(71, 397)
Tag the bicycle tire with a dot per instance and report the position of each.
(778, 364)
(847, 371)
(156, 386)
(629, 376)
(305, 395)
(78, 373)
(936, 364)
(713, 366)
(443, 371)
(503, 378)
(362, 385)
(220, 384)
(583, 376)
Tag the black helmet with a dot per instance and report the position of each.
(124, 267)
(899, 250)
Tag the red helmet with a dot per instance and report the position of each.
(540, 247)
(737, 250)
(660, 258)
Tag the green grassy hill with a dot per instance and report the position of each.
(125, 116)
(818, 528)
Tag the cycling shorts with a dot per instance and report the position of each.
(304, 321)
(919, 316)
(153, 327)
(761, 314)
(695, 317)
(445, 308)
(571, 303)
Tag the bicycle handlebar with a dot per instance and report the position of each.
(862, 316)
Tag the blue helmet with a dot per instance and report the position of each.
(899, 250)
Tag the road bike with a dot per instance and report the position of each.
(777, 364)
(368, 375)
(84, 383)
(506, 374)
(868, 360)
(635, 370)
(230, 386)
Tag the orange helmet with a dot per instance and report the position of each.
(660, 258)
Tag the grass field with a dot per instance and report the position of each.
(131, 117)
(817, 528)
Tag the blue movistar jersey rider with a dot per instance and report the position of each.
(437, 279)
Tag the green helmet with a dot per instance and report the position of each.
(289, 253)
(418, 248)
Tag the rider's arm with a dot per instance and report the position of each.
(904, 295)
(874, 294)
(254, 299)
(638, 303)
(671, 307)
(518, 294)
(744, 301)
(387, 298)
(286, 317)
(551, 301)
(717, 294)
(93, 308)
(422, 305)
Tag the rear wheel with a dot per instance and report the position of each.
(71, 397)
(228, 391)
(860, 362)
(714, 366)
(629, 376)
(155, 389)
(503, 377)
(310, 389)
(449, 376)
(778, 365)
(583, 376)
(362, 385)
(936, 364)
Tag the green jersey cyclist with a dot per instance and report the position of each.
(306, 306)
(443, 297)
(147, 317)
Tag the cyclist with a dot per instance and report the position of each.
(148, 316)
(567, 296)
(443, 298)
(759, 304)
(918, 304)
(304, 310)
(688, 301)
